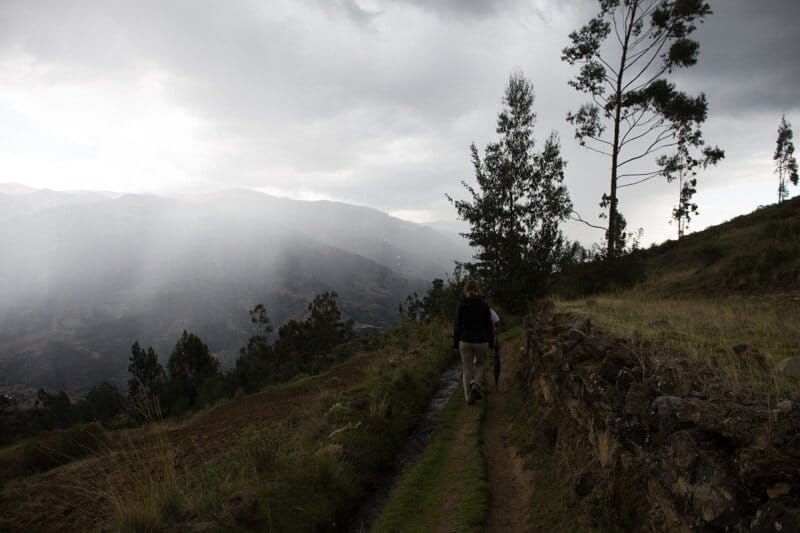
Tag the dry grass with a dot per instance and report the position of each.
(141, 484)
(711, 332)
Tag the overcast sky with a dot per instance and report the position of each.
(365, 101)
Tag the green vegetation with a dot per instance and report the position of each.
(339, 443)
(785, 162)
(446, 490)
(738, 338)
(51, 450)
(625, 55)
(754, 253)
(515, 212)
(553, 505)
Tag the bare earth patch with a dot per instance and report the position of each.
(511, 486)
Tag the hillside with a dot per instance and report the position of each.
(757, 252)
(85, 274)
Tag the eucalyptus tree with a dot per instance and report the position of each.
(785, 162)
(625, 55)
(682, 167)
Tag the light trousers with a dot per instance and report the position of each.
(473, 359)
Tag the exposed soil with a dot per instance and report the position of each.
(72, 497)
(510, 484)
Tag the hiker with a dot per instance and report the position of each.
(473, 337)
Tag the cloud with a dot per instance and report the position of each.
(368, 101)
(748, 58)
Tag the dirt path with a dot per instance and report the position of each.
(510, 485)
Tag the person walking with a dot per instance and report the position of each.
(473, 337)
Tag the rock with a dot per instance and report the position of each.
(576, 335)
(597, 345)
(241, 509)
(778, 490)
(659, 324)
(610, 367)
(781, 514)
(665, 405)
(582, 324)
(788, 367)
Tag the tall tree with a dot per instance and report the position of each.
(190, 359)
(785, 162)
(147, 375)
(254, 365)
(682, 167)
(625, 53)
(520, 200)
(260, 319)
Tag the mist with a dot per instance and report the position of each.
(84, 275)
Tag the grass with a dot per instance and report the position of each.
(554, 506)
(312, 470)
(308, 467)
(51, 449)
(751, 254)
(447, 488)
(142, 484)
(712, 332)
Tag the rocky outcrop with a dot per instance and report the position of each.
(660, 444)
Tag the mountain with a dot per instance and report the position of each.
(85, 274)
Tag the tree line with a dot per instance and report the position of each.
(192, 378)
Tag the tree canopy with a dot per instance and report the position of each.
(515, 211)
(625, 54)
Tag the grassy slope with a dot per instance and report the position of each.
(729, 295)
(309, 459)
(756, 252)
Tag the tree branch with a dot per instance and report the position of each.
(577, 218)
(638, 181)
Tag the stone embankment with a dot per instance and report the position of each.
(657, 443)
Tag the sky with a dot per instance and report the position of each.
(363, 101)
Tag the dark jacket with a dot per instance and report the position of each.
(473, 322)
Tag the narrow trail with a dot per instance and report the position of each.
(510, 484)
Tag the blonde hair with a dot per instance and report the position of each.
(471, 286)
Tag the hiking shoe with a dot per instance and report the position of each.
(475, 392)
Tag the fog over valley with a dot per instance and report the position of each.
(85, 274)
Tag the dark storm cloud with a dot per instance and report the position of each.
(749, 56)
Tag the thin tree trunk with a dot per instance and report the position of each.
(612, 209)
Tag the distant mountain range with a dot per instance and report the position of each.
(84, 274)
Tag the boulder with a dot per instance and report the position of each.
(582, 324)
(576, 335)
